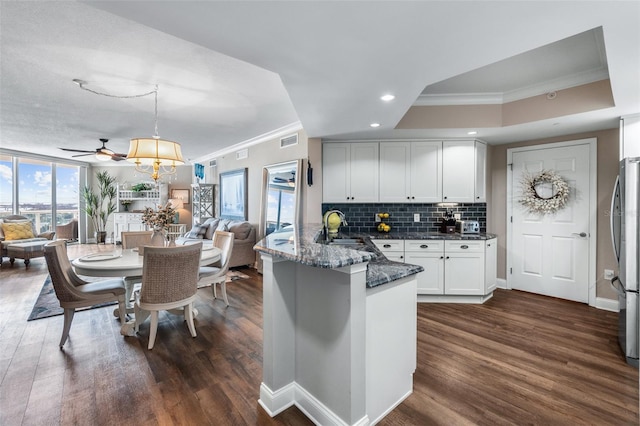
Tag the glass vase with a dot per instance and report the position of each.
(158, 237)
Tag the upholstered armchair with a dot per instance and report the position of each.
(69, 231)
(18, 220)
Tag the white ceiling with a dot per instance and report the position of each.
(229, 72)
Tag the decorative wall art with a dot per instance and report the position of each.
(180, 194)
(233, 194)
(538, 199)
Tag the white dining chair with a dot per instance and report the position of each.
(217, 273)
(169, 282)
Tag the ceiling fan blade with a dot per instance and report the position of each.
(118, 157)
(78, 150)
(83, 155)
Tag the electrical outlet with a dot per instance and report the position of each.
(608, 274)
(457, 216)
(416, 217)
(377, 219)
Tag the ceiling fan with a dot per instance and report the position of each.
(103, 153)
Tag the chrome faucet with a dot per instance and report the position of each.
(343, 221)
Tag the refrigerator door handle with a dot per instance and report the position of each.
(612, 218)
(617, 288)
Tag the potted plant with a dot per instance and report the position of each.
(139, 187)
(99, 205)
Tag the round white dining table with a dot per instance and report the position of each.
(126, 262)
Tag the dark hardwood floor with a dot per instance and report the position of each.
(518, 359)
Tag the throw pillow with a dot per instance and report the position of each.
(240, 229)
(17, 231)
(212, 224)
(198, 232)
(223, 225)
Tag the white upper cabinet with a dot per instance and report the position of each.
(410, 172)
(350, 172)
(458, 171)
(404, 172)
(481, 172)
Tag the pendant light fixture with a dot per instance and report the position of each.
(154, 156)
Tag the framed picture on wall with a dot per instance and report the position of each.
(233, 194)
(180, 194)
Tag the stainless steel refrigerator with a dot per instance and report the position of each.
(624, 235)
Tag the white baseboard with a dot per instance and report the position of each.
(607, 304)
(293, 394)
(501, 283)
(276, 402)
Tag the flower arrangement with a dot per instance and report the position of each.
(125, 203)
(160, 219)
(537, 204)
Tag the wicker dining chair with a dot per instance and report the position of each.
(73, 292)
(217, 274)
(169, 281)
(130, 240)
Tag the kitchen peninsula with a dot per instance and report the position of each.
(339, 328)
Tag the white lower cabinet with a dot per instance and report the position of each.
(463, 269)
(125, 222)
(392, 249)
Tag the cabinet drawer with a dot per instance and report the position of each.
(426, 246)
(120, 217)
(135, 218)
(464, 246)
(389, 245)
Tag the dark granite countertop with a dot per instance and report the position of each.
(299, 245)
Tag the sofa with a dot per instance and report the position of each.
(17, 229)
(244, 238)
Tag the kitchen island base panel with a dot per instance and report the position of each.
(342, 353)
(424, 298)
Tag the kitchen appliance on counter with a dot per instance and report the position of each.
(625, 204)
(468, 227)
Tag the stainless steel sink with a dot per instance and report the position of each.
(347, 242)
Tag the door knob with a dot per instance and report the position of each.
(581, 234)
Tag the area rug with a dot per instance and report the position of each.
(48, 305)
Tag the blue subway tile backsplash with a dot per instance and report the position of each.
(361, 217)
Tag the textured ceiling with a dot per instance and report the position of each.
(232, 71)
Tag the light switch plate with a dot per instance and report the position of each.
(416, 217)
(457, 216)
(377, 218)
(608, 274)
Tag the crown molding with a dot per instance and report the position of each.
(274, 134)
(565, 82)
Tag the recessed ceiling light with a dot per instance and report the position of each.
(387, 98)
(374, 124)
(473, 132)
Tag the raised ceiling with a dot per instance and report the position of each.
(231, 71)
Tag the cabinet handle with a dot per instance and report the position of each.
(401, 257)
(488, 245)
(441, 257)
(387, 246)
(445, 198)
(424, 246)
(464, 246)
(477, 198)
(413, 198)
(447, 257)
(408, 198)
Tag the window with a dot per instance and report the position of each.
(6, 185)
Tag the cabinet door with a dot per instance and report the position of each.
(426, 172)
(431, 280)
(363, 178)
(335, 172)
(458, 171)
(491, 265)
(395, 158)
(481, 172)
(464, 273)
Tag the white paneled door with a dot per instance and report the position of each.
(549, 253)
